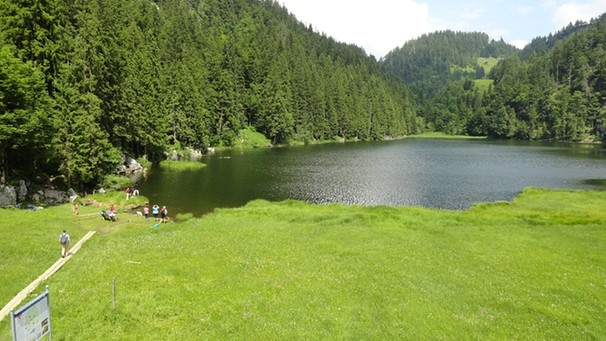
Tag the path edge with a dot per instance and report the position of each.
(33, 285)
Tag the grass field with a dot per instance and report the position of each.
(483, 84)
(531, 269)
(488, 63)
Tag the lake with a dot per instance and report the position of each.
(436, 173)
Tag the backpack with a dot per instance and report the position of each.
(64, 238)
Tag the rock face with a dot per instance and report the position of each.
(11, 196)
(50, 196)
(14, 196)
(128, 166)
(191, 154)
(21, 191)
(8, 196)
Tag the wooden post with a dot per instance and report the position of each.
(114, 293)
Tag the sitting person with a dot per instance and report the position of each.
(108, 215)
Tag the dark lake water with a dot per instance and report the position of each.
(437, 173)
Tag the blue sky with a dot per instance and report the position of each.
(378, 26)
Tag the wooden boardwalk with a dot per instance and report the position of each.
(54, 268)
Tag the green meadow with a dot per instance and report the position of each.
(530, 269)
(487, 63)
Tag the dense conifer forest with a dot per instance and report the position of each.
(429, 63)
(554, 89)
(83, 82)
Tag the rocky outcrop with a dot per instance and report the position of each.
(50, 196)
(8, 196)
(129, 166)
(195, 155)
(21, 191)
(191, 154)
(15, 196)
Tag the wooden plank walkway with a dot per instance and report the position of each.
(54, 268)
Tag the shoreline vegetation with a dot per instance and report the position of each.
(532, 268)
(250, 139)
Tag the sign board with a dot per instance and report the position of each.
(32, 321)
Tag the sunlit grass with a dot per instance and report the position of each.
(181, 165)
(441, 135)
(483, 84)
(487, 63)
(531, 269)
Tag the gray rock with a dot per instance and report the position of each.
(195, 155)
(21, 191)
(8, 196)
(129, 166)
(54, 196)
(72, 195)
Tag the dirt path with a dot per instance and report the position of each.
(54, 268)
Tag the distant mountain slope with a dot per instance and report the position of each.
(542, 44)
(555, 89)
(426, 64)
(557, 94)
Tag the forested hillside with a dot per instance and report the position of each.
(542, 44)
(428, 63)
(84, 81)
(554, 89)
(558, 94)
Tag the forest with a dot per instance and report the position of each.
(554, 89)
(84, 82)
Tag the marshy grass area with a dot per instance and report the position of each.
(531, 269)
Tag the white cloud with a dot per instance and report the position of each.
(519, 43)
(377, 26)
(570, 12)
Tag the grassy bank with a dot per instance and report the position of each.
(531, 269)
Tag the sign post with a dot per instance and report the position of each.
(32, 321)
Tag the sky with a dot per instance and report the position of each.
(379, 26)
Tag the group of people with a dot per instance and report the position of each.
(110, 214)
(134, 192)
(160, 214)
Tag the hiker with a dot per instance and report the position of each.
(146, 211)
(127, 191)
(155, 211)
(64, 241)
(163, 213)
(75, 209)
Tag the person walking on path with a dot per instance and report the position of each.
(64, 241)
(75, 208)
